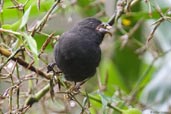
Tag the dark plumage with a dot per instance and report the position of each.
(77, 53)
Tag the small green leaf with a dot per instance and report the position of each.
(105, 100)
(15, 26)
(32, 43)
(6, 26)
(25, 17)
(132, 111)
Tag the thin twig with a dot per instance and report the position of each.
(45, 44)
(149, 38)
(10, 31)
(40, 26)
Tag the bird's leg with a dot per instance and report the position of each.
(74, 90)
(50, 68)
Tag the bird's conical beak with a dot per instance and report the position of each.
(104, 28)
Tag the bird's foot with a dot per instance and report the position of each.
(50, 67)
(76, 88)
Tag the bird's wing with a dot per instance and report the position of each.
(75, 47)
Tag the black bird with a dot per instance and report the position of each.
(77, 53)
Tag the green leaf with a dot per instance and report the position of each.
(25, 18)
(132, 111)
(6, 26)
(104, 99)
(14, 26)
(128, 64)
(32, 43)
(83, 3)
(108, 68)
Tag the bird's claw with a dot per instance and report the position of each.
(50, 67)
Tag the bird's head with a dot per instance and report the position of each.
(95, 24)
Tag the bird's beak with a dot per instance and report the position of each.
(104, 28)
